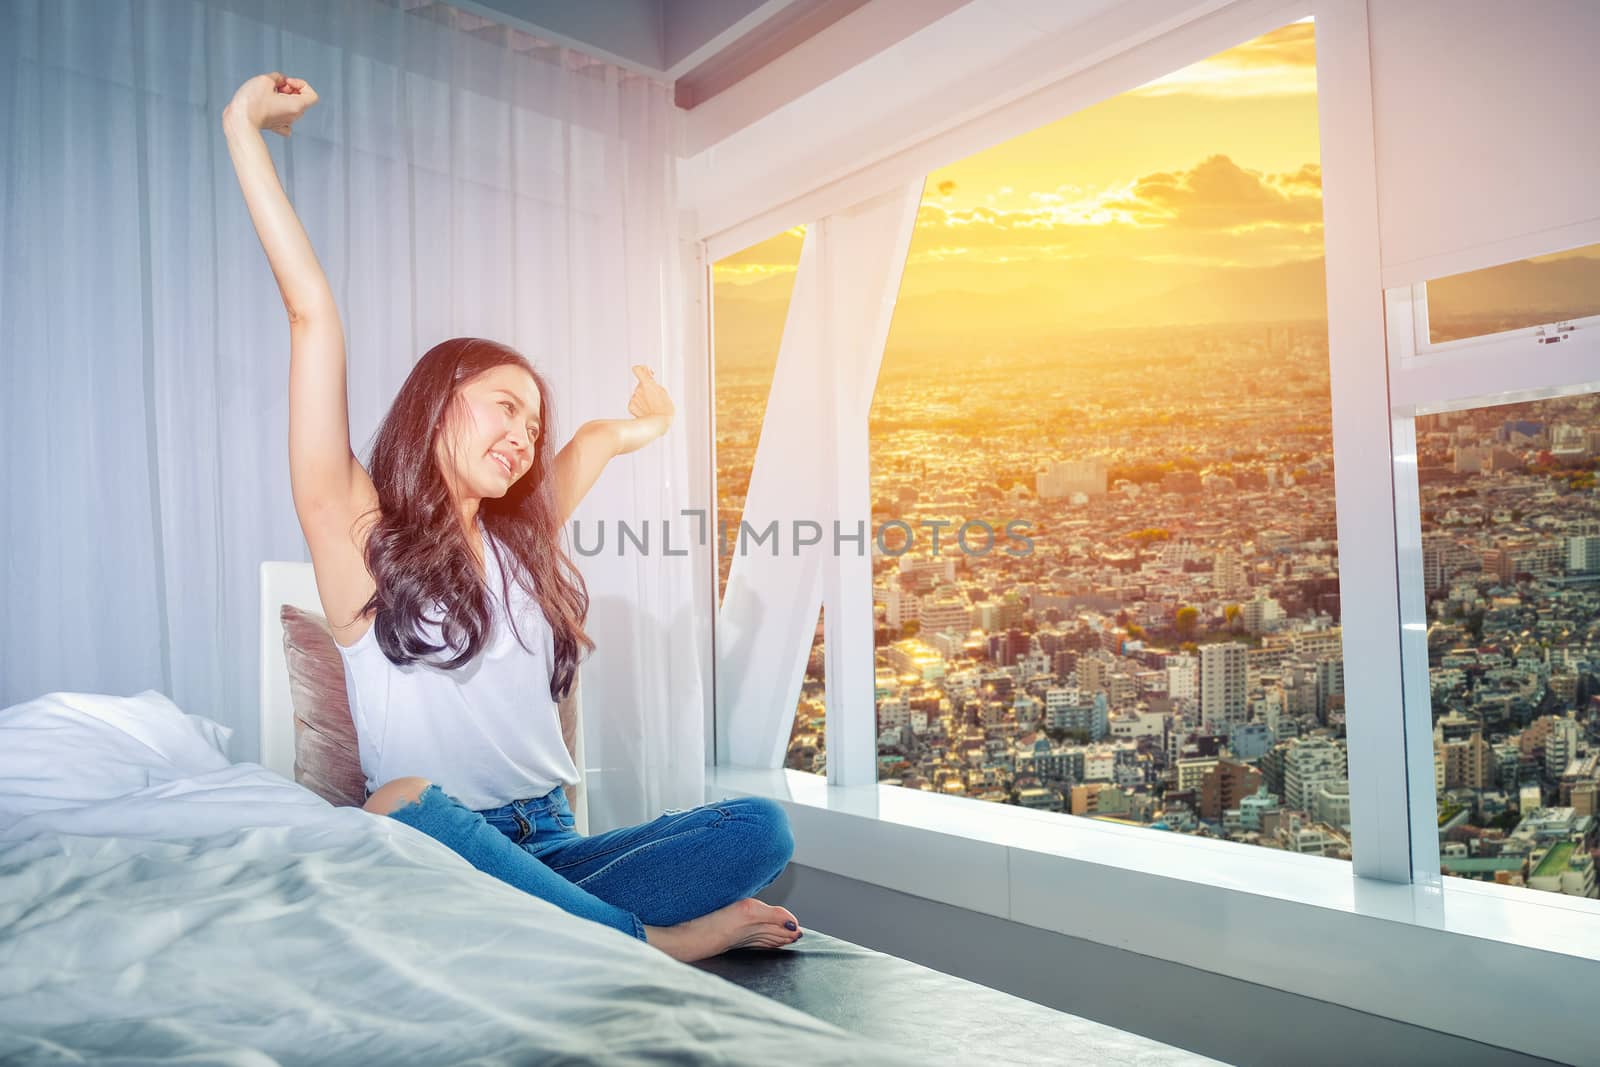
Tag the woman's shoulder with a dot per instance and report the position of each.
(355, 636)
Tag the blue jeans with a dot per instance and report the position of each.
(680, 866)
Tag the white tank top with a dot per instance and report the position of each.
(487, 733)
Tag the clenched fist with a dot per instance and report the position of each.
(270, 102)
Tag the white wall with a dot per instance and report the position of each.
(1485, 117)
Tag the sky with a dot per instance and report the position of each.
(1208, 173)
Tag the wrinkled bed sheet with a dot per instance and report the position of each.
(234, 918)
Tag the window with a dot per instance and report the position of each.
(752, 290)
(1510, 523)
(1110, 342)
(1115, 360)
(1541, 291)
(1372, 589)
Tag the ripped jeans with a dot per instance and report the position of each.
(677, 867)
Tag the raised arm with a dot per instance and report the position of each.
(320, 456)
(331, 489)
(578, 465)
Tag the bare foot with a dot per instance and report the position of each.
(746, 923)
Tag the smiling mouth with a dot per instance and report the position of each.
(505, 464)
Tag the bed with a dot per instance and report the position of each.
(159, 901)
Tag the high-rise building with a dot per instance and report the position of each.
(1307, 763)
(1225, 786)
(1067, 709)
(1330, 685)
(1008, 648)
(1583, 555)
(1560, 747)
(1189, 772)
(950, 612)
(1002, 614)
(1094, 671)
(1330, 803)
(1058, 702)
(1183, 677)
(1252, 807)
(900, 605)
(1541, 558)
(1222, 684)
(1433, 563)
(1508, 765)
(1314, 644)
(1469, 763)
(1442, 558)
(1228, 575)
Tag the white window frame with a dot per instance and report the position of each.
(1376, 732)
(1511, 366)
(1428, 377)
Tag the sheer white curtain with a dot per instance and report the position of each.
(456, 179)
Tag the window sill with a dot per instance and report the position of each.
(1297, 923)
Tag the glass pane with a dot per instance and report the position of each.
(1112, 330)
(750, 294)
(1511, 568)
(1532, 292)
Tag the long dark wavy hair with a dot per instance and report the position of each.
(417, 552)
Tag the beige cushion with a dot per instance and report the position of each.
(326, 760)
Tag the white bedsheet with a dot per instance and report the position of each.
(232, 917)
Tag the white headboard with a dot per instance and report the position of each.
(284, 582)
(281, 583)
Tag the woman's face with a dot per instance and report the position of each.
(490, 438)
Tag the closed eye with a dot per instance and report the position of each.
(532, 427)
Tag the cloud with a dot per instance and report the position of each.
(1218, 194)
(1213, 195)
(1215, 213)
(1307, 177)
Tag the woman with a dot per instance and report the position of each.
(459, 617)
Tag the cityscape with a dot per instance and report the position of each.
(1169, 653)
(1511, 566)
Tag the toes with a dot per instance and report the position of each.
(776, 914)
(761, 941)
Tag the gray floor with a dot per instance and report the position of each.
(1224, 1018)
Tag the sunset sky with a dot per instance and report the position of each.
(1208, 173)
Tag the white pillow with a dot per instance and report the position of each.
(68, 749)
